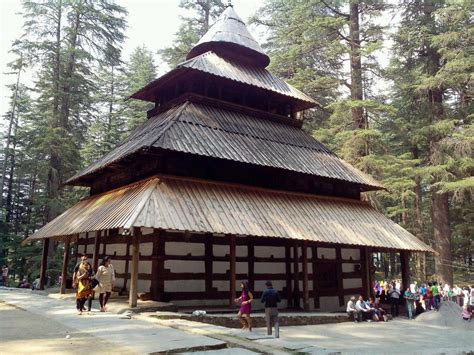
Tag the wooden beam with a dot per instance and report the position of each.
(132, 300)
(95, 260)
(44, 263)
(305, 276)
(62, 290)
(232, 269)
(405, 268)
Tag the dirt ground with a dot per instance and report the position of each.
(25, 332)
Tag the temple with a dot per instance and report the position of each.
(221, 184)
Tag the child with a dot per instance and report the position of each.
(466, 314)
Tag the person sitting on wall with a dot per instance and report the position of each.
(352, 310)
(365, 312)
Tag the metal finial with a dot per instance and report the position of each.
(229, 4)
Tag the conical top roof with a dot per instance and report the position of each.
(229, 36)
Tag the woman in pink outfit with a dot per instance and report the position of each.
(245, 300)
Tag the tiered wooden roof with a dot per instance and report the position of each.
(194, 125)
(181, 204)
(224, 134)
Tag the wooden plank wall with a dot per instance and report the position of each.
(193, 269)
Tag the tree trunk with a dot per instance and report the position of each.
(358, 119)
(442, 237)
(9, 136)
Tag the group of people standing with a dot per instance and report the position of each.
(87, 283)
(270, 298)
(423, 297)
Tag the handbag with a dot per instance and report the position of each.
(94, 283)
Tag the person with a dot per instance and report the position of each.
(5, 275)
(379, 311)
(105, 276)
(24, 284)
(245, 300)
(271, 298)
(471, 297)
(352, 311)
(466, 314)
(83, 288)
(84, 259)
(458, 295)
(429, 298)
(410, 302)
(394, 294)
(365, 312)
(436, 297)
(465, 299)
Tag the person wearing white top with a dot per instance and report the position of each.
(105, 275)
(352, 311)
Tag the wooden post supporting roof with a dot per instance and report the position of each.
(232, 269)
(132, 300)
(62, 290)
(405, 268)
(44, 264)
(305, 276)
(296, 280)
(95, 260)
(364, 260)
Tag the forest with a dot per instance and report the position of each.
(394, 79)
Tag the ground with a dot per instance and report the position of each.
(36, 323)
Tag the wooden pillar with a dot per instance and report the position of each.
(104, 246)
(62, 290)
(127, 266)
(232, 270)
(95, 260)
(305, 276)
(208, 253)
(132, 299)
(157, 288)
(251, 264)
(44, 263)
(364, 260)
(289, 295)
(86, 242)
(296, 280)
(314, 253)
(340, 284)
(405, 268)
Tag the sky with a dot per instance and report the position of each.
(152, 23)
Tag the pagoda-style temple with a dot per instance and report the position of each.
(221, 184)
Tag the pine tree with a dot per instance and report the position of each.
(202, 14)
(139, 71)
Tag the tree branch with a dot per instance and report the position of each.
(335, 11)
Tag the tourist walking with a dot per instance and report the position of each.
(105, 276)
(90, 297)
(436, 297)
(410, 302)
(394, 294)
(4, 275)
(245, 301)
(271, 298)
(82, 283)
